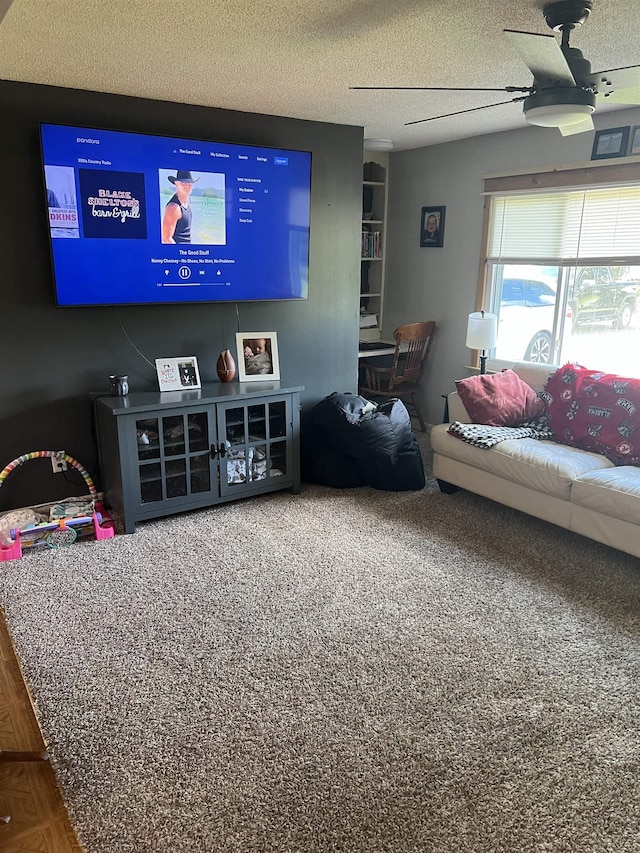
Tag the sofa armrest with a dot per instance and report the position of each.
(457, 411)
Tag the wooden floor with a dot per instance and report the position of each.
(28, 791)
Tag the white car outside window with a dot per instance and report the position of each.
(526, 316)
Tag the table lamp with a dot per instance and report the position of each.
(482, 334)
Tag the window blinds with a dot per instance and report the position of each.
(559, 227)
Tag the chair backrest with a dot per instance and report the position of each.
(413, 345)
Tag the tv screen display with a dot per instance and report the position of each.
(141, 219)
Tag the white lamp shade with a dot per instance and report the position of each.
(482, 330)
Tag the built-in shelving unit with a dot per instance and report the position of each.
(373, 244)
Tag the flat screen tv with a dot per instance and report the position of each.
(137, 219)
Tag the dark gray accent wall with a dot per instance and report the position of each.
(53, 358)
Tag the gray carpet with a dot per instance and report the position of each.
(353, 671)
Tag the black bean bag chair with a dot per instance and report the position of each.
(352, 441)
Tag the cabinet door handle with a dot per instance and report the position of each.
(220, 450)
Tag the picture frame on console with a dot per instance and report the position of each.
(258, 359)
(178, 374)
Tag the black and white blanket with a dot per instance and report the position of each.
(482, 435)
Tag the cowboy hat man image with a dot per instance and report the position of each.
(176, 222)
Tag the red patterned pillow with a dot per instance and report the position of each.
(499, 399)
(595, 411)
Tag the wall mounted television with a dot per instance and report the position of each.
(138, 219)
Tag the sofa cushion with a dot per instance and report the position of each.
(499, 399)
(595, 411)
(544, 466)
(536, 375)
(614, 492)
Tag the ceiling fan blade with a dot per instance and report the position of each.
(577, 127)
(619, 85)
(543, 56)
(442, 89)
(460, 112)
(624, 96)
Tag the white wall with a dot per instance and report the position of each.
(440, 284)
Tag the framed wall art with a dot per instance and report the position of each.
(611, 142)
(178, 374)
(257, 356)
(432, 227)
(634, 147)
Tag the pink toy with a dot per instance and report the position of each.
(62, 531)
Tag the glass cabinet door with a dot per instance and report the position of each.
(173, 455)
(255, 439)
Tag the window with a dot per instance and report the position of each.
(562, 269)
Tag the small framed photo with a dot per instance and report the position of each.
(178, 374)
(257, 356)
(634, 148)
(432, 227)
(611, 142)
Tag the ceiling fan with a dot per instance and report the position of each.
(564, 92)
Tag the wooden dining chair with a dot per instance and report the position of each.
(401, 378)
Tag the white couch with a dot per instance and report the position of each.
(581, 491)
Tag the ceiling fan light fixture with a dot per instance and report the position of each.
(559, 106)
(558, 115)
(378, 144)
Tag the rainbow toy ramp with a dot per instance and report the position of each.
(52, 525)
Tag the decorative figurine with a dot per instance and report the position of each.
(226, 366)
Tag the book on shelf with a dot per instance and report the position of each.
(371, 246)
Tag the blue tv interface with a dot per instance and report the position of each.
(138, 219)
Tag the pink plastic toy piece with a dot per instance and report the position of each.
(103, 526)
(13, 551)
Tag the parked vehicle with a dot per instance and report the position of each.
(603, 294)
(527, 308)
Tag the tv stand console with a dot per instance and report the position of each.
(163, 453)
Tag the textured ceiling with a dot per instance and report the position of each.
(298, 57)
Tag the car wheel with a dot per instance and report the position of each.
(539, 350)
(625, 315)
